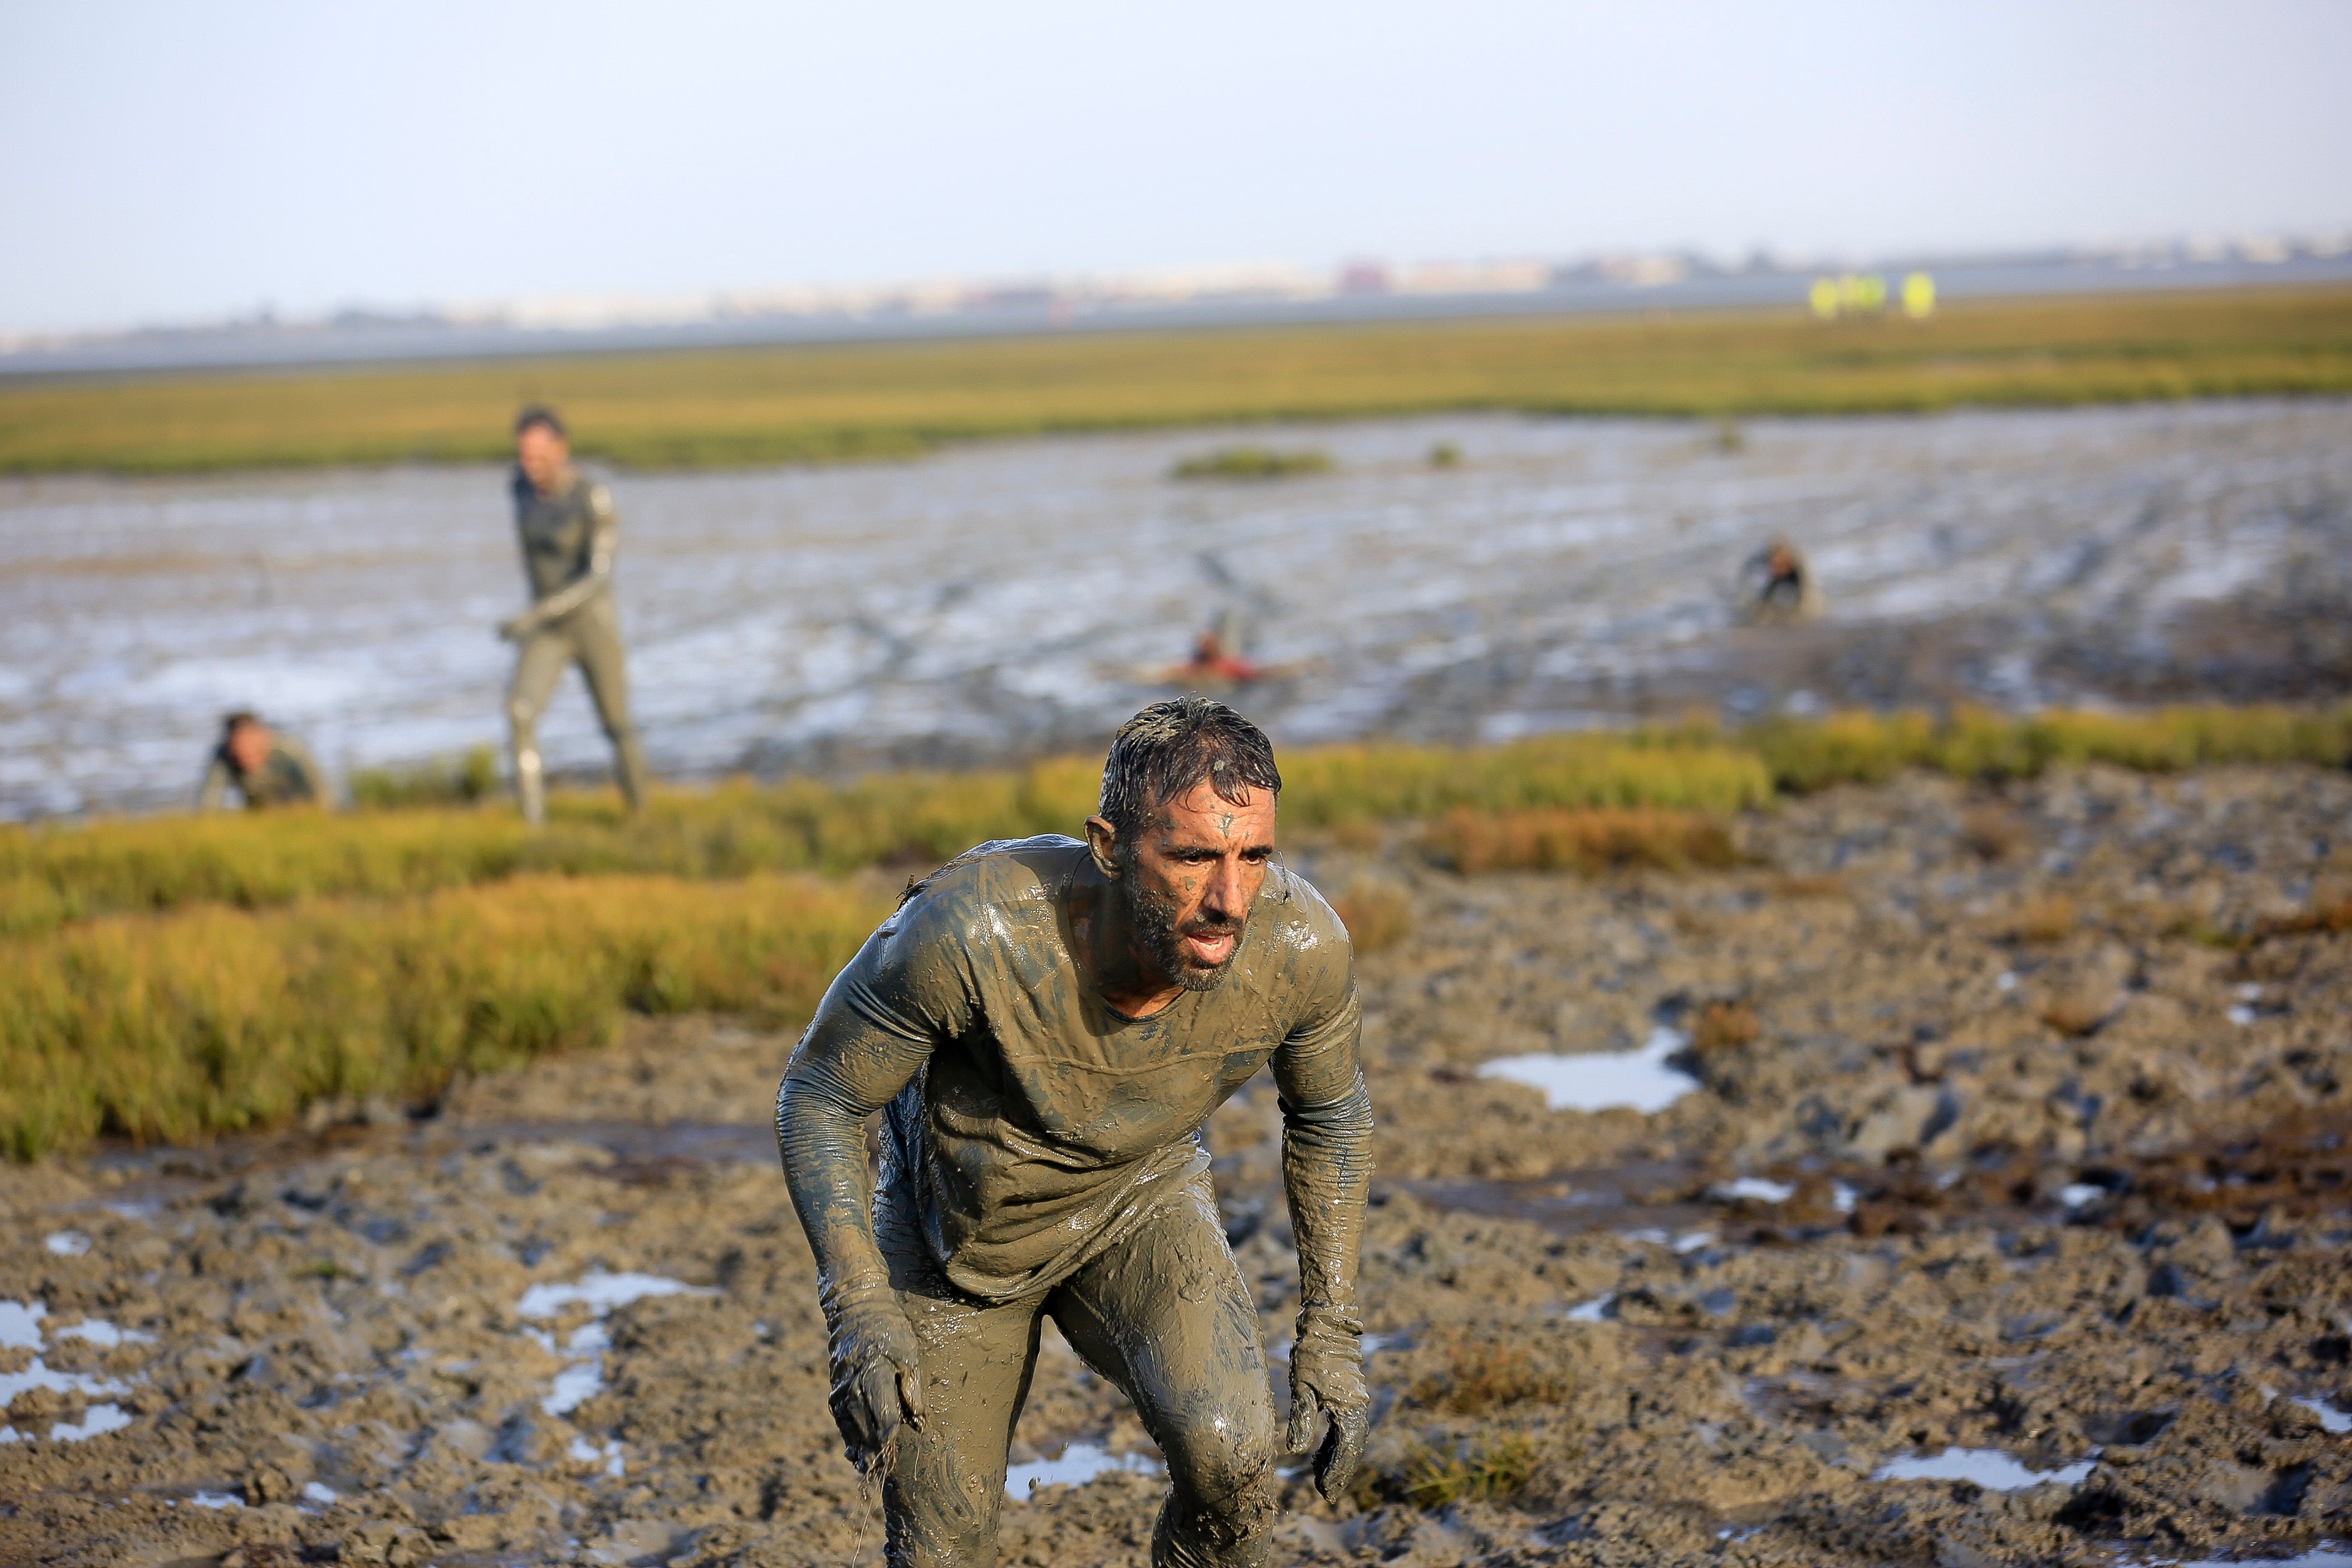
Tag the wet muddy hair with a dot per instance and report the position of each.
(1170, 747)
(540, 414)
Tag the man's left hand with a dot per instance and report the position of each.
(1327, 1377)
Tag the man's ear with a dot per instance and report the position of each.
(1103, 839)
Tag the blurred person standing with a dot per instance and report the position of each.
(266, 768)
(569, 534)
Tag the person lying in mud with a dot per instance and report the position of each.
(1213, 661)
(1786, 590)
(267, 769)
(1045, 1025)
(569, 534)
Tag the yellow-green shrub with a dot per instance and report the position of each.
(1596, 840)
(175, 1026)
(1326, 786)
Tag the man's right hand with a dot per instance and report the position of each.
(878, 1378)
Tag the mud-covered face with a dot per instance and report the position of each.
(1191, 879)
(545, 457)
(248, 747)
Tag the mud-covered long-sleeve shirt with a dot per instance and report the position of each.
(291, 776)
(1030, 1123)
(568, 545)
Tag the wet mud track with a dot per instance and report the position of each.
(927, 613)
(2003, 1222)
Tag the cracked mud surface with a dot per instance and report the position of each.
(2063, 1177)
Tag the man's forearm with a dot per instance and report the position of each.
(1327, 1175)
(568, 598)
(822, 1140)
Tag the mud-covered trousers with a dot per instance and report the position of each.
(589, 636)
(1164, 1315)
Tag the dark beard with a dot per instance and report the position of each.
(1152, 915)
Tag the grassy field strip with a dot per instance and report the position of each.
(1601, 838)
(1805, 754)
(53, 876)
(837, 402)
(170, 1027)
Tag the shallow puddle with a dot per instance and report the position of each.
(20, 1329)
(1080, 1463)
(2331, 1419)
(601, 1292)
(1603, 1080)
(1987, 1467)
(583, 1379)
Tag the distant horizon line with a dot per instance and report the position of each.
(1359, 293)
(598, 311)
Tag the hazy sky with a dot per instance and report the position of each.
(177, 161)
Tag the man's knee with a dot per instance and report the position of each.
(1224, 1461)
(1221, 1505)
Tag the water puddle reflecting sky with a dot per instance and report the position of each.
(1603, 1080)
(1987, 1467)
(1080, 1463)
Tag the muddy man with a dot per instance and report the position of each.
(569, 534)
(266, 768)
(1045, 1025)
(1786, 589)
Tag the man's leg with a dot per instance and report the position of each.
(536, 669)
(946, 1486)
(1165, 1315)
(596, 632)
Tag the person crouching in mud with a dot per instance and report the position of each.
(1046, 1024)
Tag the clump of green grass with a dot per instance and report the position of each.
(1436, 1474)
(1376, 914)
(465, 780)
(171, 1028)
(1474, 1372)
(1250, 463)
(1677, 769)
(1445, 455)
(1606, 839)
(1805, 754)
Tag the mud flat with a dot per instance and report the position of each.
(2001, 1218)
(1570, 571)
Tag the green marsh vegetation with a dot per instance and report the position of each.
(213, 1019)
(841, 402)
(1250, 463)
(171, 977)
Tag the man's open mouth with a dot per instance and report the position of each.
(1209, 945)
(1210, 948)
